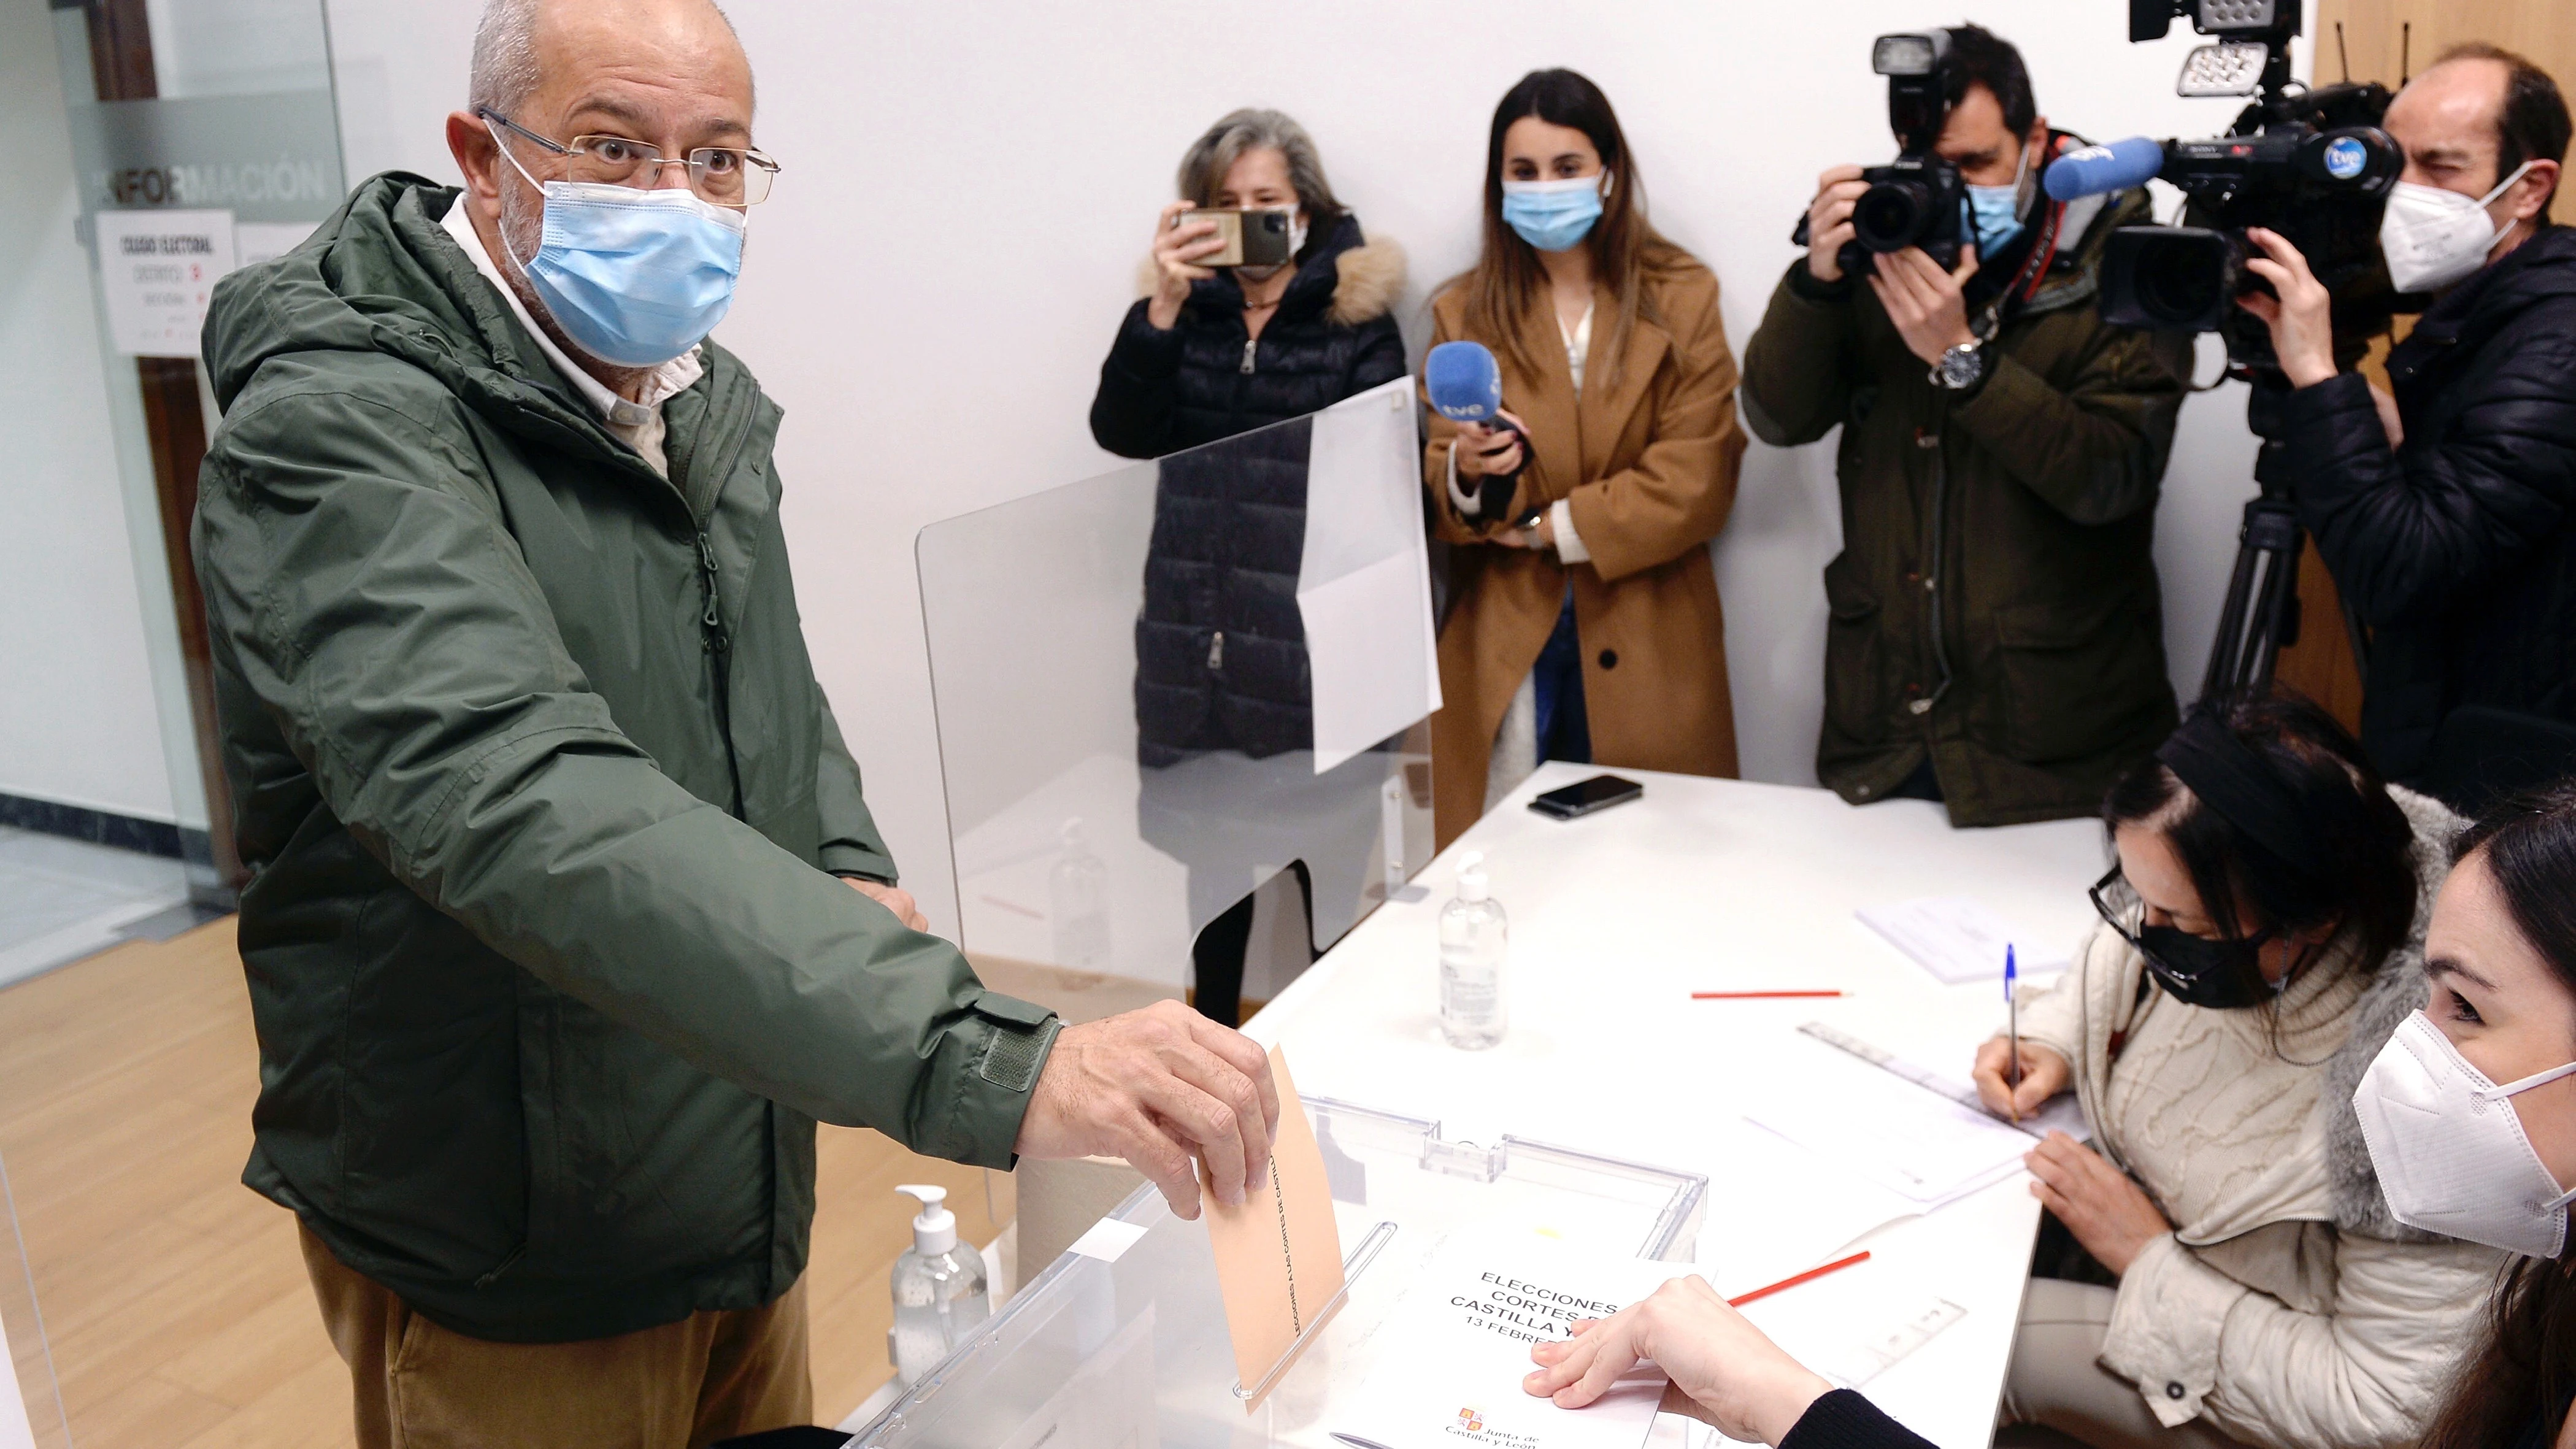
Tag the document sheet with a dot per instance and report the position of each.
(1457, 1345)
(1279, 1254)
(1917, 1144)
(1958, 938)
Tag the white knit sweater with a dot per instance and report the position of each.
(2269, 1309)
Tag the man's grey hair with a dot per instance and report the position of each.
(505, 54)
(1204, 165)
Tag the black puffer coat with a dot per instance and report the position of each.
(2458, 549)
(1220, 646)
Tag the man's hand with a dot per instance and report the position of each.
(1752, 1390)
(2044, 1074)
(895, 899)
(1829, 221)
(1158, 1087)
(1928, 305)
(2109, 1214)
(1177, 252)
(2301, 316)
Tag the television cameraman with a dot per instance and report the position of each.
(2443, 512)
(1996, 635)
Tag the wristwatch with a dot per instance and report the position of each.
(1962, 367)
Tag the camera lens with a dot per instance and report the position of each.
(1891, 216)
(2179, 284)
(1275, 222)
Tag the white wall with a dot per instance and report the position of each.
(78, 720)
(968, 189)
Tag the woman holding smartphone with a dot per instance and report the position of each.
(2469, 1113)
(1584, 622)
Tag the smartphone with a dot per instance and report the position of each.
(1586, 796)
(1251, 238)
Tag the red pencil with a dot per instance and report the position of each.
(1807, 1277)
(1757, 995)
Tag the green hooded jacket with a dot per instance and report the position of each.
(541, 799)
(1995, 604)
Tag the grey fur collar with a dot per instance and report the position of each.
(2398, 989)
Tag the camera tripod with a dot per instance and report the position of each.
(2260, 617)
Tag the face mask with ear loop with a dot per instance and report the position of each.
(2433, 237)
(1995, 212)
(2450, 1150)
(1555, 216)
(633, 277)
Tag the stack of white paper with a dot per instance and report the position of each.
(1456, 1347)
(1957, 938)
(1916, 1144)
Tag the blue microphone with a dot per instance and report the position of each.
(1465, 385)
(2098, 169)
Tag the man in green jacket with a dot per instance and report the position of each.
(1995, 634)
(550, 965)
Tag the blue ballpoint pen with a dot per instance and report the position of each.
(2012, 1002)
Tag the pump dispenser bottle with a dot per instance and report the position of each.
(939, 1290)
(1473, 938)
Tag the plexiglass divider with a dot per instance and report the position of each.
(1158, 689)
(31, 1405)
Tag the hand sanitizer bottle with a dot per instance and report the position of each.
(1473, 938)
(939, 1290)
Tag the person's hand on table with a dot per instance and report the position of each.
(1928, 305)
(2107, 1212)
(2044, 1074)
(1751, 1389)
(893, 898)
(1158, 1087)
(2301, 315)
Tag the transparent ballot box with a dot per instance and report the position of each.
(1159, 689)
(1133, 1353)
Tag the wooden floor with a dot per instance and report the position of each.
(174, 1297)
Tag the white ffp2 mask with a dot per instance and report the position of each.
(2432, 237)
(2450, 1150)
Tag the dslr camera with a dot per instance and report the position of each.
(1917, 199)
(2312, 165)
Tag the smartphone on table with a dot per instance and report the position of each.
(1584, 797)
(1251, 238)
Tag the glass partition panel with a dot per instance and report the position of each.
(31, 1407)
(1160, 688)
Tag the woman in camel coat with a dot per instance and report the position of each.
(1594, 631)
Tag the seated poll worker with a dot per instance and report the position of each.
(2262, 936)
(567, 918)
(1592, 632)
(2447, 513)
(1212, 353)
(2498, 1027)
(1994, 632)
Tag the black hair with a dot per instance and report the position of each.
(2362, 877)
(1978, 56)
(2527, 1366)
(2532, 124)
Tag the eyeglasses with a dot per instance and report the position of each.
(2115, 886)
(723, 175)
(2116, 901)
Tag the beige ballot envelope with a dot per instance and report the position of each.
(1279, 1256)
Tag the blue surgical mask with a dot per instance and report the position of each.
(1995, 211)
(634, 278)
(1554, 216)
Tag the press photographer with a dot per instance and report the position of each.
(1996, 636)
(2443, 511)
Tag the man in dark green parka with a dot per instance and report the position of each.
(544, 806)
(1994, 635)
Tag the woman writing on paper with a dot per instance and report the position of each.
(2238, 1276)
(2496, 1031)
(1584, 621)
